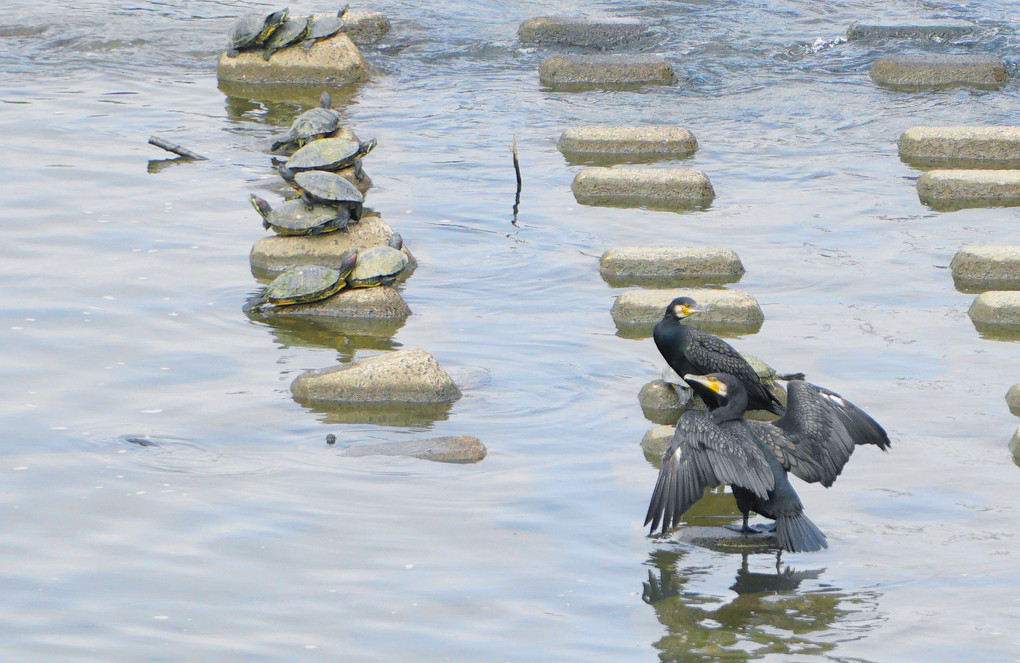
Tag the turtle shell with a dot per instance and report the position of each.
(328, 154)
(253, 29)
(312, 124)
(294, 217)
(377, 266)
(291, 31)
(328, 188)
(310, 283)
(320, 27)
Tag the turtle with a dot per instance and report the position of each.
(310, 283)
(293, 217)
(323, 26)
(253, 29)
(311, 124)
(331, 154)
(379, 265)
(320, 186)
(290, 32)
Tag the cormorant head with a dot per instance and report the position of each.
(719, 390)
(683, 307)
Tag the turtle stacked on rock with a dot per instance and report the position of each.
(269, 33)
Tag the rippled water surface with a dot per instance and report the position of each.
(164, 498)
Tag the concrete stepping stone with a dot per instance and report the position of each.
(669, 188)
(996, 310)
(997, 146)
(271, 255)
(448, 449)
(937, 28)
(403, 376)
(957, 189)
(587, 71)
(662, 403)
(631, 265)
(937, 71)
(332, 62)
(1013, 399)
(603, 33)
(655, 442)
(628, 142)
(727, 309)
(365, 28)
(379, 303)
(1014, 446)
(987, 268)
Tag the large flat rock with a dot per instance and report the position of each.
(936, 28)
(379, 303)
(662, 141)
(616, 70)
(603, 33)
(956, 189)
(335, 61)
(974, 147)
(668, 188)
(987, 268)
(404, 376)
(996, 310)
(636, 265)
(728, 309)
(448, 449)
(937, 71)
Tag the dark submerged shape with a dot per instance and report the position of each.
(813, 441)
(690, 350)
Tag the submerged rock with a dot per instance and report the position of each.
(334, 61)
(449, 449)
(996, 146)
(404, 376)
(629, 265)
(935, 28)
(670, 188)
(569, 31)
(957, 189)
(936, 71)
(996, 310)
(365, 28)
(642, 142)
(726, 308)
(987, 268)
(584, 71)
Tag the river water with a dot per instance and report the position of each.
(236, 534)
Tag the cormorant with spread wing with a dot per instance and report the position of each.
(813, 440)
(690, 350)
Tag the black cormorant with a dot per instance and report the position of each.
(690, 350)
(813, 440)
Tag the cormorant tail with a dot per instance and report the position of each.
(796, 533)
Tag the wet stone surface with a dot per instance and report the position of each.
(996, 310)
(334, 61)
(365, 28)
(957, 189)
(668, 188)
(986, 268)
(935, 71)
(633, 265)
(622, 142)
(586, 71)
(663, 403)
(568, 31)
(726, 308)
(1013, 399)
(447, 449)
(929, 29)
(654, 443)
(379, 303)
(961, 146)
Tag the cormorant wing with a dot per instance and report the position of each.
(816, 436)
(711, 354)
(701, 455)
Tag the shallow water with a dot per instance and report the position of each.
(238, 534)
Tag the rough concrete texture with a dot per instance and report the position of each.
(725, 307)
(568, 31)
(1013, 399)
(654, 443)
(380, 303)
(915, 71)
(449, 449)
(680, 188)
(332, 62)
(366, 28)
(1014, 446)
(404, 376)
(987, 267)
(662, 403)
(924, 29)
(997, 144)
(271, 255)
(605, 70)
(969, 188)
(996, 309)
(665, 141)
(671, 262)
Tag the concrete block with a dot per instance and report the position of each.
(957, 189)
(977, 268)
(587, 71)
(629, 265)
(334, 61)
(569, 31)
(626, 142)
(996, 310)
(403, 376)
(727, 309)
(670, 188)
(940, 29)
(967, 147)
(937, 71)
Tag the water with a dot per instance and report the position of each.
(238, 534)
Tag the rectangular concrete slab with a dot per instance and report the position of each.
(987, 268)
(973, 147)
(587, 71)
(585, 33)
(638, 310)
(957, 189)
(996, 310)
(633, 265)
(660, 141)
(939, 71)
(669, 188)
(925, 29)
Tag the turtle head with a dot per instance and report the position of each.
(343, 10)
(285, 173)
(367, 146)
(683, 307)
(348, 261)
(325, 100)
(395, 241)
(276, 18)
(261, 205)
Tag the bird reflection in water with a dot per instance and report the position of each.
(768, 614)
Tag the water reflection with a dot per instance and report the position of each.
(765, 612)
(345, 335)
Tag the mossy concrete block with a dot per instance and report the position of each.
(967, 146)
(568, 31)
(403, 376)
(726, 308)
(448, 449)
(1014, 446)
(987, 268)
(271, 255)
(940, 29)
(334, 61)
(936, 71)
(661, 141)
(366, 28)
(662, 403)
(996, 309)
(954, 189)
(379, 303)
(633, 264)
(672, 188)
(583, 71)
(655, 442)
(1013, 399)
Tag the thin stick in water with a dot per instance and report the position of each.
(176, 149)
(517, 170)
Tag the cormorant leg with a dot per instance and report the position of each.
(743, 529)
